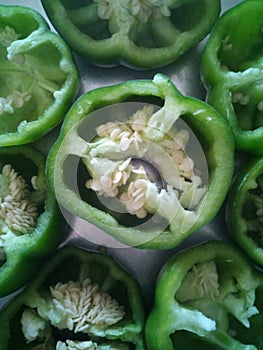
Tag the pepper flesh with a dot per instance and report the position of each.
(231, 69)
(38, 74)
(31, 225)
(79, 300)
(213, 300)
(73, 146)
(244, 210)
(140, 34)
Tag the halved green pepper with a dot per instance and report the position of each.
(245, 210)
(39, 78)
(79, 300)
(207, 297)
(231, 69)
(95, 157)
(137, 33)
(31, 224)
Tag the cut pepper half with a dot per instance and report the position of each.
(80, 300)
(231, 69)
(207, 297)
(97, 158)
(137, 33)
(245, 210)
(39, 78)
(31, 225)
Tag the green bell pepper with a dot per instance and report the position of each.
(31, 224)
(231, 69)
(136, 33)
(94, 160)
(39, 78)
(207, 297)
(79, 300)
(245, 210)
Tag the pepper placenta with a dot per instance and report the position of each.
(232, 72)
(39, 78)
(79, 300)
(95, 160)
(207, 297)
(31, 224)
(245, 210)
(141, 34)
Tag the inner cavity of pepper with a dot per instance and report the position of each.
(147, 23)
(253, 212)
(21, 203)
(26, 75)
(241, 50)
(222, 299)
(130, 174)
(76, 315)
(248, 106)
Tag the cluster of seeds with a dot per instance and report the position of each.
(109, 183)
(17, 209)
(241, 98)
(206, 279)
(130, 183)
(87, 345)
(121, 133)
(141, 10)
(8, 35)
(135, 197)
(76, 306)
(74, 345)
(33, 326)
(81, 305)
(201, 281)
(11, 102)
(254, 218)
(175, 147)
(127, 134)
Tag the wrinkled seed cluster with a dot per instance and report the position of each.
(109, 183)
(83, 305)
(135, 197)
(129, 182)
(17, 210)
(206, 279)
(76, 345)
(11, 102)
(8, 35)
(142, 10)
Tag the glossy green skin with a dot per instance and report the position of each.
(25, 253)
(75, 264)
(47, 67)
(240, 30)
(210, 128)
(152, 44)
(166, 327)
(244, 183)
